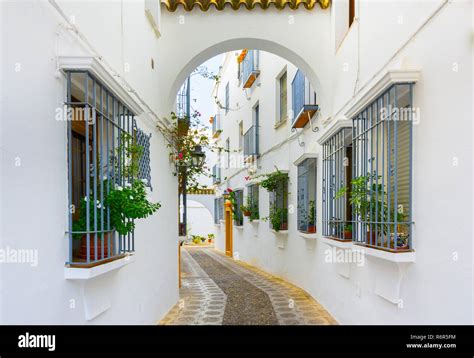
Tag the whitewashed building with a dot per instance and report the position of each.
(126, 60)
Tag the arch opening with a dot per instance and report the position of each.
(238, 44)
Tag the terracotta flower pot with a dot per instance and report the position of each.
(246, 213)
(83, 249)
(347, 235)
(311, 229)
(371, 238)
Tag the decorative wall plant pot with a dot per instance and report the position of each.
(82, 254)
(347, 235)
(402, 241)
(311, 229)
(247, 213)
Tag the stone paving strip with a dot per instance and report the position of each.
(201, 302)
(292, 305)
(218, 290)
(246, 304)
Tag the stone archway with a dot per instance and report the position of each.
(191, 38)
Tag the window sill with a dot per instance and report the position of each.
(280, 232)
(341, 244)
(307, 235)
(401, 256)
(254, 221)
(280, 123)
(239, 227)
(78, 273)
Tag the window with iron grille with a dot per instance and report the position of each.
(221, 208)
(283, 98)
(253, 202)
(216, 210)
(337, 166)
(216, 174)
(251, 137)
(144, 168)
(100, 131)
(227, 148)
(227, 98)
(216, 125)
(239, 201)
(278, 217)
(241, 135)
(382, 164)
(307, 196)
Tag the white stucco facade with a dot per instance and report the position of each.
(382, 290)
(396, 35)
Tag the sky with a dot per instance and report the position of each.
(201, 90)
(202, 101)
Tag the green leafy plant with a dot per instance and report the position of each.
(183, 135)
(126, 203)
(278, 217)
(312, 213)
(254, 212)
(272, 180)
(369, 202)
(129, 203)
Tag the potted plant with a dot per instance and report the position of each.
(203, 239)
(347, 233)
(210, 237)
(312, 218)
(278, 218)
(245, 210)
(367, 199)
(124, 203)
(254, 212)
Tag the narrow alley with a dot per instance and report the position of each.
(217, 290)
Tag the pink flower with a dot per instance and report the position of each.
(229, 190)
(247, 178)
(180, 155)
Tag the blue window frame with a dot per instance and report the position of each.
(306, 215)
(382, 162)
(100, 133)
(227, 98)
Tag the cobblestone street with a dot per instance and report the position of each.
(217, 290)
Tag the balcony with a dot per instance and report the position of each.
(304, 100)
(251, 142)
(250, 70)
(216, 126)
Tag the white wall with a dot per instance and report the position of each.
(437, 288)
(395, 34)
(200, 219)
(34, 194)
